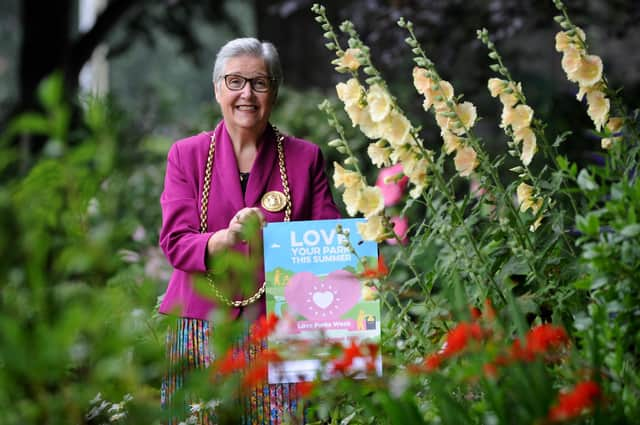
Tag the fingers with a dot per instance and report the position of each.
(235, 229)
(246, 214)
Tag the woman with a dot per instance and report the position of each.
(218, 181)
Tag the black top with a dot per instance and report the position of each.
(244, 178)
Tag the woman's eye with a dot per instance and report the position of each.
(261, 83)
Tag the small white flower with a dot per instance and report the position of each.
(212, 404)
(118, 416)
(96, 399)
(398, 384)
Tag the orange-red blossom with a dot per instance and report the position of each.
(539, 341)
(575, 402)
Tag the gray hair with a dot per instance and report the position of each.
(249, 46)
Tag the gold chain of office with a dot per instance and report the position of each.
(203, 215)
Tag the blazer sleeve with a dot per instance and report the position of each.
(180, 238)
(323, 207)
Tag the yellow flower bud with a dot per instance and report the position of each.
(465, 161)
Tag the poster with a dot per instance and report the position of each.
(314, 286)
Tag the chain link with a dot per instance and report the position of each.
(205, 203)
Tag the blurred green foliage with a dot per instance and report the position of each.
(76, 318)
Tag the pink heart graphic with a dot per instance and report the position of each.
(317, 299)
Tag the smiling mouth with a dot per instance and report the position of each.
(247, 108)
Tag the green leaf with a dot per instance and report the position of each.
(631, 230)
(51, 90)
(585, 181)
(583, 284)
(31, 123)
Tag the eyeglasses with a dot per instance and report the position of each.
(258, 84)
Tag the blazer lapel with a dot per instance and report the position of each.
(263, 169)
(225, 188)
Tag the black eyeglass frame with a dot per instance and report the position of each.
(250, 81)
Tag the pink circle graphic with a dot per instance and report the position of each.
(322, 299)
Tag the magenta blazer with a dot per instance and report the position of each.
(180, 237)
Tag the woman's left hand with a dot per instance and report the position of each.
(243, 222)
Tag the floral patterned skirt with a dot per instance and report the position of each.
(188, 348)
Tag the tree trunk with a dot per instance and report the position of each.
(46, 37)
(291, 27)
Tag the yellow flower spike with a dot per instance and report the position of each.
(421, 82)
(349, 93)
(584, 91)
(615, 124)
(370, 201)
(442, 120)
(508, 100)
(379, 102)
(496, 86)
(451, 142)
(418, 188)
(417, 173)
(571, 60)
(518, 117)
(379, 154)
(529, 146)
(348, 178)
(396, 128)
(524, 193)
(589, 71)
(562, 41)
(467, 115)
(466, 160)
(402, 154)
(373, 229)
(565, 41)
(445, 91)
(534, 226)
(427, 103)
(373, 130)
(351, 198)
(607, 142)
(349, 59)
(598, 109)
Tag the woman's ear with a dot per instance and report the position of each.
(215, 92)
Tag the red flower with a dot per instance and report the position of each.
(231, 362)
(269, 356)
(382, 270)
(489, 312)
(475, 312)
(490, 370)
(372, 351)
(350, 353)
(255, 376)
(573, 403)
(543, 338)
(433, 362)
(539, 341)
(263, 327)
(519, 353)
(304, 388)
(458, 338)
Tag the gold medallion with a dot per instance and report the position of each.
(273, 201)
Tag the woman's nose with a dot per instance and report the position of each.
(246, 91)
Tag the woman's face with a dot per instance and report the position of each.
(245, 108)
